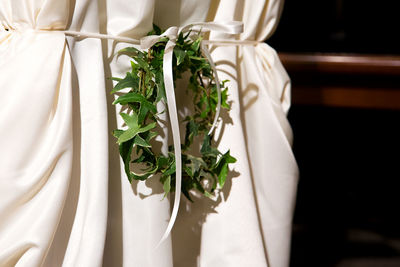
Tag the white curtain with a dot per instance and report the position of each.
(64, 199)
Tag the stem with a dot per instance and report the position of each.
(140, 80)
(201, 80)
(141, 83)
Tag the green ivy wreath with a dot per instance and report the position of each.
(141, 117)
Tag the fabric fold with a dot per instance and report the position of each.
(36, 142)
(64, 197)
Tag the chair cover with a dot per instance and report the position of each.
(64, 199)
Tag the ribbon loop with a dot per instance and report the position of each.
(232, 27)
(148, 41)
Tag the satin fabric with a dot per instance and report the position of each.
(64, 198)
(252, 226)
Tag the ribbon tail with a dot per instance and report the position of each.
(173, 116)
(172, 33)
(212, 64)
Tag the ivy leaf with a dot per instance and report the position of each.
(167, 185)
(131, 52)
(180, 55)
(196, 44)
(140, 177)
(224, 99)
(171, 169)
(147, 156)
(200, 59)
(142, 64)
(129, 81)
(149, 135)
(222, 167)
(187, 184)
(145, 105)
(125, 150)
(130, 97)
(139, 141)
(134, 128)
(156, 30)
(117, 133)
(162, 162)
(159, 77)
(207, 149)
(192, 130)
(195, 164)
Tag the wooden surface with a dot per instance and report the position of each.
(356, 81)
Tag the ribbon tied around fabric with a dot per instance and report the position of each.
(172, 33)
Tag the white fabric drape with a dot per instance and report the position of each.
(64, 199)
(253, 226)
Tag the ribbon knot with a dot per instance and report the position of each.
(172, 33)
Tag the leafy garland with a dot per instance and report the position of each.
(204, 173)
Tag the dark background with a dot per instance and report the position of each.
(345, 26)
(347, 211)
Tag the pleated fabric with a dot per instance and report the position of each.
(36, 137)
(64, 198)
(252, 225)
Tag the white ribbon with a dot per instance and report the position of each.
(101, 36)
(233, 27)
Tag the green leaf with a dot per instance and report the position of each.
(143, 64)
(167, 185)
(126, 135)
(222, 167)
(196, 44)
(195, 164)
(145, 105)
(117, 133)
(224, 99)
(162, 162)
(128, 82)
(140, 177)
(146, 156)
(130, 97)
(180, 55)
(156, 30)
(222, 175)
(134, 128)
(147, 127)
(180, 40)
(130, 120)
(207, 149)
(192, 130)
(125, 150)
(151, 135)
(131, 52)
(140, 141)
(171, 169)
(201, 59)
(160, 87)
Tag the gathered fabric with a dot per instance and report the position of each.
(64, 197)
